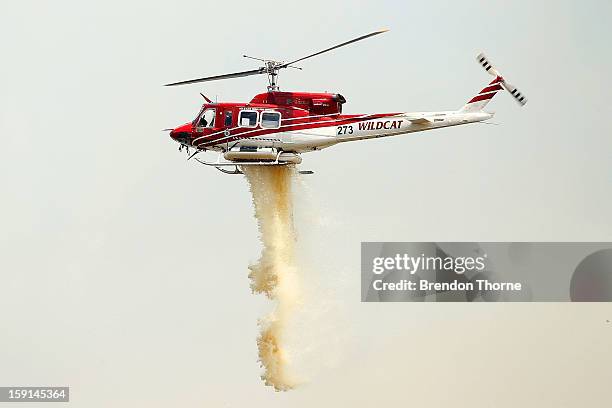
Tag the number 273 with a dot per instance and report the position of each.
(345, 130)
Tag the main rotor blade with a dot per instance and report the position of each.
(363, 37)
(216, 77)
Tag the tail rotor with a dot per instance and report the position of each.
(518, 96)
(482, 60)
(512, 90)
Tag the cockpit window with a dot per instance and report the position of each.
(206, 118)
(195, 121)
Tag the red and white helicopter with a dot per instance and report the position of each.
(276, 127)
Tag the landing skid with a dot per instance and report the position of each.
(219, 164)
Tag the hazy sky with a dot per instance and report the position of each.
(124, 267)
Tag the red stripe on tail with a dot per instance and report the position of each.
(482, 97)
(496, 87)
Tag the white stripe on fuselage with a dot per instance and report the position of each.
(225, 139)
(318, 138)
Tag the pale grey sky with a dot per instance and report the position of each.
(124, 268)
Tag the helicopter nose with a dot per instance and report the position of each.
(182, 137)
(181, 134)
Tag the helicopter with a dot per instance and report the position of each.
(275, 128)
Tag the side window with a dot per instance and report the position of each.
(247, 118)
(270, 120)
(227, 118)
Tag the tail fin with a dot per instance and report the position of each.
(483, 97)
(478, 102)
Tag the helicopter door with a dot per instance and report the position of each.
(206, 120)
(228, 119)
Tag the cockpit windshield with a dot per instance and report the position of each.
(206, 118)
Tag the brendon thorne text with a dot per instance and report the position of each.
(425, 285)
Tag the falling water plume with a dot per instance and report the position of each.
(274, 274)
